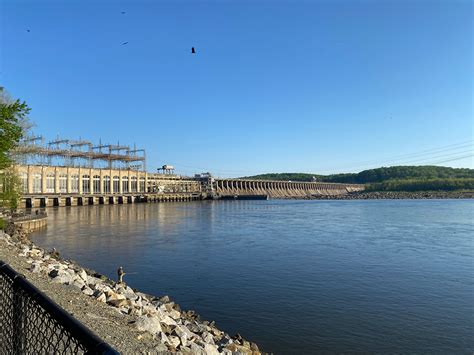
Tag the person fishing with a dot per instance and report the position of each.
(120, 274)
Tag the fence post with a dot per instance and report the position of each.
(19, 334)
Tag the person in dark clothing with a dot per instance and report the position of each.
(120, 274)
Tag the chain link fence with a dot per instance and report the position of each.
(31, 323)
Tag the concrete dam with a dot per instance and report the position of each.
(67, 172)
(280, 189)
(45, 186)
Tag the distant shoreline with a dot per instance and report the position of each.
(394, 195)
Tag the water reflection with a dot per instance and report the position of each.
(351, 276)
(98, 225)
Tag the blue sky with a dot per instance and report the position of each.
(275, 86)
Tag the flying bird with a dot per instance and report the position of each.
(27, 30)
(193, 51)
(124, 43)
(123, 12)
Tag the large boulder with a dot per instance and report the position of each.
(87, 291)
(149, 310)
(63, 279)
(101, 287)
(61, 276)
(100, 296)
(148, 324)
(92, 281)
(129, 294)
(83, 275)
(55, 267)
(196, 349)
(164, 299)
(174, 341)
(184, 334)
(79, 283)
(35, 252)
(168, 309)
(164, 318)
(113, 296)
(162, 338)
(238, 348)
(174, 314)
(211, 349)
(208, 338)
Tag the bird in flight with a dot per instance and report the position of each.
(27, 30)
(193, 51)
(124, 43)
(123, 12)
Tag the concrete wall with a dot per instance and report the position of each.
(32, 225)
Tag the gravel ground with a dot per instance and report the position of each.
(108, 323)
(130, 321)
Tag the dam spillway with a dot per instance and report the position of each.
(280, 189)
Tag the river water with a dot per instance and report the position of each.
(294, 276)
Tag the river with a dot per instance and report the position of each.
(294, 276)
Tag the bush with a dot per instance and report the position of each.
(10, 187)
(3, 224)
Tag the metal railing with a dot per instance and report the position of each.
(31, 323)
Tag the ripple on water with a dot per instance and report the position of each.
(295, 276)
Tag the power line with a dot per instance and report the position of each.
(437, 156)
(429, 160)
(453, 159)
(451, 147)
(439, 151)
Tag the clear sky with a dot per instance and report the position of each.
(275, 86)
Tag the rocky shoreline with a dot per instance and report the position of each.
(129, 320)
(394, 195)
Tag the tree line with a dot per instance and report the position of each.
(398, 178)
(422, 185)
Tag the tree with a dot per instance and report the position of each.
(13, 118)
(13, 125)
(10, 187)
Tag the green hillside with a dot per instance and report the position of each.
(402, 178)
(422, 185)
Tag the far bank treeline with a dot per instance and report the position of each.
(395, 178)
